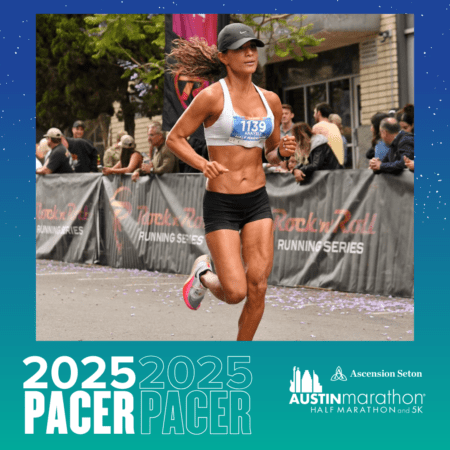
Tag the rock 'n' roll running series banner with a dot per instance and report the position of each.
(345, 230)
(337, 231)
(67, 218)
(352, 232)
(154, 224)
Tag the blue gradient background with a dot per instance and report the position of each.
(274, 422)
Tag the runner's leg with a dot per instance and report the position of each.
(257, 252)
(229, 283)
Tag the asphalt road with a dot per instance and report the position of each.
(76, 302)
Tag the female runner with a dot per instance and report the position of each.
(240, 120)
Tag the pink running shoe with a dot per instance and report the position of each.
(193, 289)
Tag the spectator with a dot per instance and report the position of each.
(406, 119)
(336, 119)
(112, 155)
(42, 150)
(400, 144)
(291, 163)
(84, 154)
(379, 149)
(57, 161)
(392, 113)
(130, 158)
(316, 153)
(323, 126)
(163, 160)
(78, 129)
(286, 121)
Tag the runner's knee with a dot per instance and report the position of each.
(257, 282)
(235, 294)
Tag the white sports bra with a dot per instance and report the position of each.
(232, 129)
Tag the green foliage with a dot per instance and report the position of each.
(84, 63)
(137, 41)
(284, 34)
(70, 84)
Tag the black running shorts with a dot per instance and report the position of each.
(233, 211)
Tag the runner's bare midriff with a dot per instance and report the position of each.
(246, 173)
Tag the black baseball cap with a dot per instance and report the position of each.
(79, 123)
(234, 36)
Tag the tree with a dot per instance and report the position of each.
(136, 42)
(284, 34)
(70, 84)
(86, 62)
(84, 65)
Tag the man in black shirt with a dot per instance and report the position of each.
(58, 161)
(84, 154)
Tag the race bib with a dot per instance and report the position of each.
(250, 132)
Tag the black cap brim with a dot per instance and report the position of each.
(241, 42)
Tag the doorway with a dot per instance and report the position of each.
(343, 95)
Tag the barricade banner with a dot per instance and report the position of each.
(155, 223)
(349, 230)
(345, 230)
(67, 225)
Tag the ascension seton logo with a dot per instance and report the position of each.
(338, 376)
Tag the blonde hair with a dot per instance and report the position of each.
(43, 146)
(336, 119)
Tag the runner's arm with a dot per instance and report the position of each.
(273, 143)
(194, 116)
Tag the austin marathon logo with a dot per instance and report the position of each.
(305, 383)
(306, 389)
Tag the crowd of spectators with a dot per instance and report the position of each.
(392, 141)
(60, 154)
(322, 146)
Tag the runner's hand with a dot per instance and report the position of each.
(287, 146)
(213, 169)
